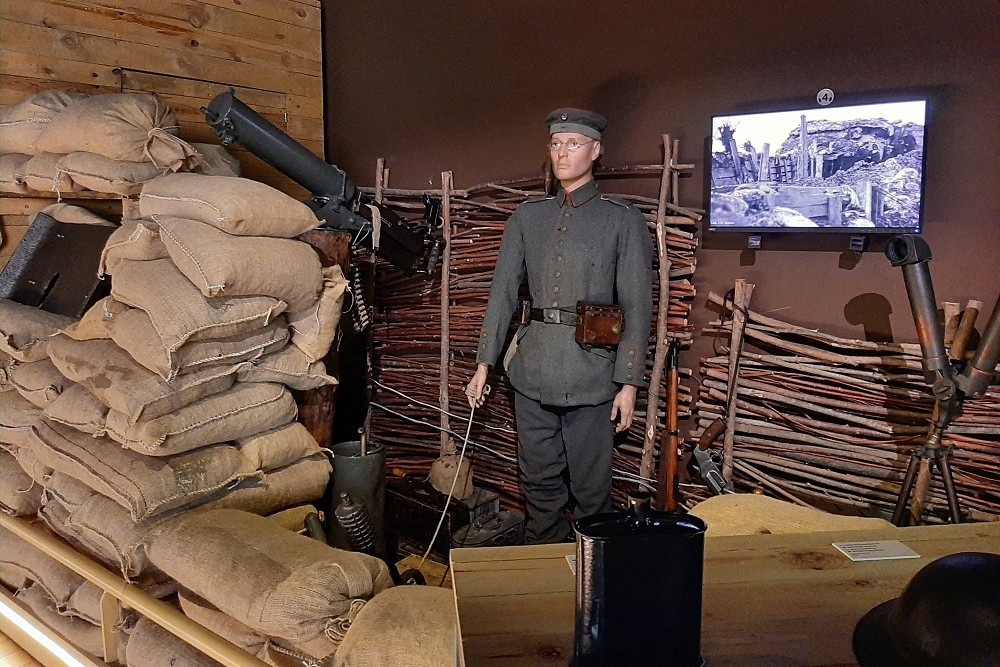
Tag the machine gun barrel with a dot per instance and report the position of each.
(335, 199)
(233, 121)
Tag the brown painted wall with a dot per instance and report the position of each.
(465, 87)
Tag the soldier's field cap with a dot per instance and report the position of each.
(587, 123)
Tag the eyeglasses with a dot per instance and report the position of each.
(572, 145)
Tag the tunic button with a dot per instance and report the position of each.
(558, 258)
(563, 228)
(560, 242)
(555, 289)
(631, 353)
(555, 304)
(557, 274)
(630, 364)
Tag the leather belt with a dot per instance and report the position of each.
(554, 316)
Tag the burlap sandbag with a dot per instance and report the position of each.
(290, 586)
(134, 332)
(239, 412)
(144, 485)
(404, 626)
(178, 310)
(85, 602)
(216, 161)
(301, 482)
(111, 375)
(12, 173)
(225, 626)
(220, 263)
(121, 126)
(750, 513)
(96, 321)
(273, 652)
(17, 416)
(20, 495)
(42, 173)
(75, 215)
(278, 447)
(101, 528)
(90, 171)
(79, 409)
(25, 330)
(38, 381)
(80, 633)
(58, 581)
(21, 124)
(136, 239)
(234, 205)
(314, 330)
(289, 366)
(149, 645)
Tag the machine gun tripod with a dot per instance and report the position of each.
(950, 385)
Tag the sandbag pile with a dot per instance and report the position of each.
(70, 142)
(296, 597)
(172, 395)
(60, 597)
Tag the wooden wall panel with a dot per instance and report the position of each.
(185, 51)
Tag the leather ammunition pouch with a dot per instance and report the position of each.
(597, 324)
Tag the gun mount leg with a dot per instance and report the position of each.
(939, 457)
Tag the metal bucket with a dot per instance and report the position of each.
(363, 477)
(639, 588)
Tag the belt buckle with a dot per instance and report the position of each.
(553, 315)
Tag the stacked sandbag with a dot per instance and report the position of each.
(20, 127)
(234, 237)
(178, 397)
(29, 382)
(67, 142)
(60, 597)
(294, 593)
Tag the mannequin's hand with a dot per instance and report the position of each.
(624, 407)
(474, 390)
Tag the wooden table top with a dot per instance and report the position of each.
(769, 600)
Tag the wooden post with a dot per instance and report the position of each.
(447, 444)
(663, 305)
(765, 164)
(965, 326)
(741, 301)
(834, 205)
(737, 162)
(802, 147)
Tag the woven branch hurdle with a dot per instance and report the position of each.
(831, 422)
(410, 370)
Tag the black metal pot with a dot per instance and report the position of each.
(639, 588)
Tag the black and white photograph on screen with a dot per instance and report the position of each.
(853, 168)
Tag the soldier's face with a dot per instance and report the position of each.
(570, 165)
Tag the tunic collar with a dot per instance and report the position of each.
(578, 197)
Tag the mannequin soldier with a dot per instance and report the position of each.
(576, 245)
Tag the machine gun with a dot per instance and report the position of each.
(951, 385)
(335, 199)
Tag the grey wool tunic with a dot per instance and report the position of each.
(594, 248)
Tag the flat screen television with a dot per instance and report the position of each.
(857, 169)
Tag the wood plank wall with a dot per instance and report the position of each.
(185, 51)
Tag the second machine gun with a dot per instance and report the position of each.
(335, 199)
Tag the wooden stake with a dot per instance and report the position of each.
(447, 444)
(663, 305)
(741, 301)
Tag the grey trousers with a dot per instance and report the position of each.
(562, 451)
